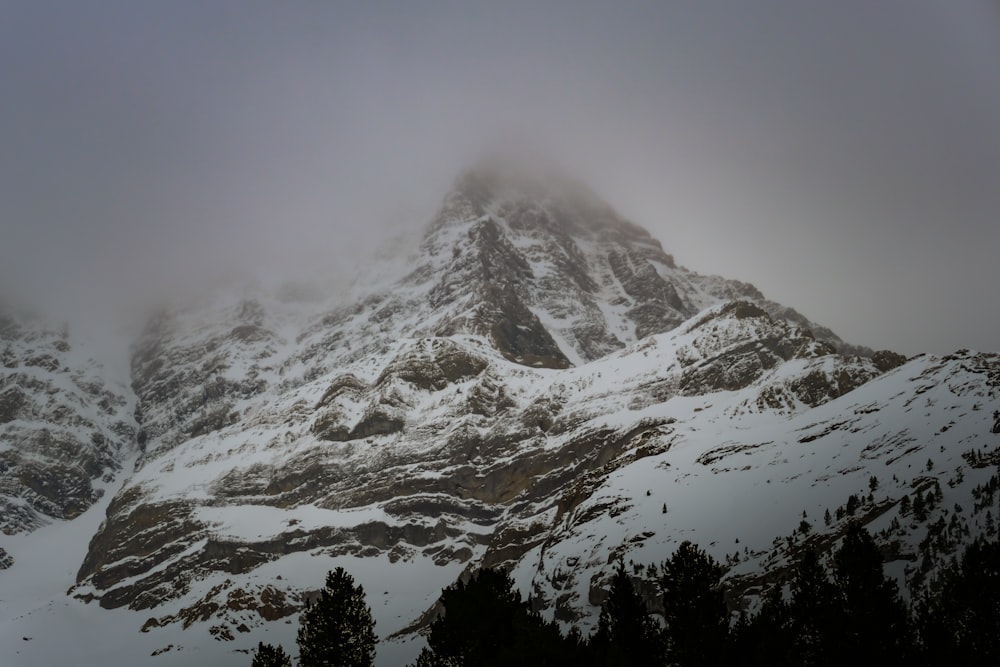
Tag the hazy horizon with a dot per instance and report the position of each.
(845, 159)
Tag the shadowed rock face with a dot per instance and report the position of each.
(886, 360)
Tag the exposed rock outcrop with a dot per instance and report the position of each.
(65, 428)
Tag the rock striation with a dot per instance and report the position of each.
(64, 427)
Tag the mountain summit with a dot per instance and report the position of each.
(535, 384)
(544, 269)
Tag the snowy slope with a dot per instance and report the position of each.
(544, 470)
(727, 465)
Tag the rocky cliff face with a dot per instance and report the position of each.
(551, 278)
(439, 434)
(536, 385)
(63, 426)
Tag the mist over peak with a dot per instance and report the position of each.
(764, 145)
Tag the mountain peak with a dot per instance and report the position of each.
(578, 272)
(528, 257)
(506, 183)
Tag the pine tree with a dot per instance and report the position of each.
(485, 623)
(626, 633)
(875, 622)
(766, 638)
(697, 619)
(961, 624)
(919, 507)
(271, 656)
(813, 612)
(338, 629)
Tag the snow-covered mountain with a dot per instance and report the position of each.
(534, 383)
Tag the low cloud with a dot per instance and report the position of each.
(843, 158)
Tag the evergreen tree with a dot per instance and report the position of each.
(271, 656)
(813, 613)
(875, 622)
(338, 629)
(626, 633)
(694, 607)
(919, 507)
(766, 638)
(961, 623)
(485, 623)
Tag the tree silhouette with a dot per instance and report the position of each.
(813, 612)
(486, 623)
(874, 621)
(626, 634)
(271, 656)
(919, 507)
(960, 624)
(697, 619)
(338, 629)
(766, 637)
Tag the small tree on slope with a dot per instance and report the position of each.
(875, 624)
(694, 608)
(271, 656)
(338, 629)
(486, 624)
(626, 634)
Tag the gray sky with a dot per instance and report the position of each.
(842, 156)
